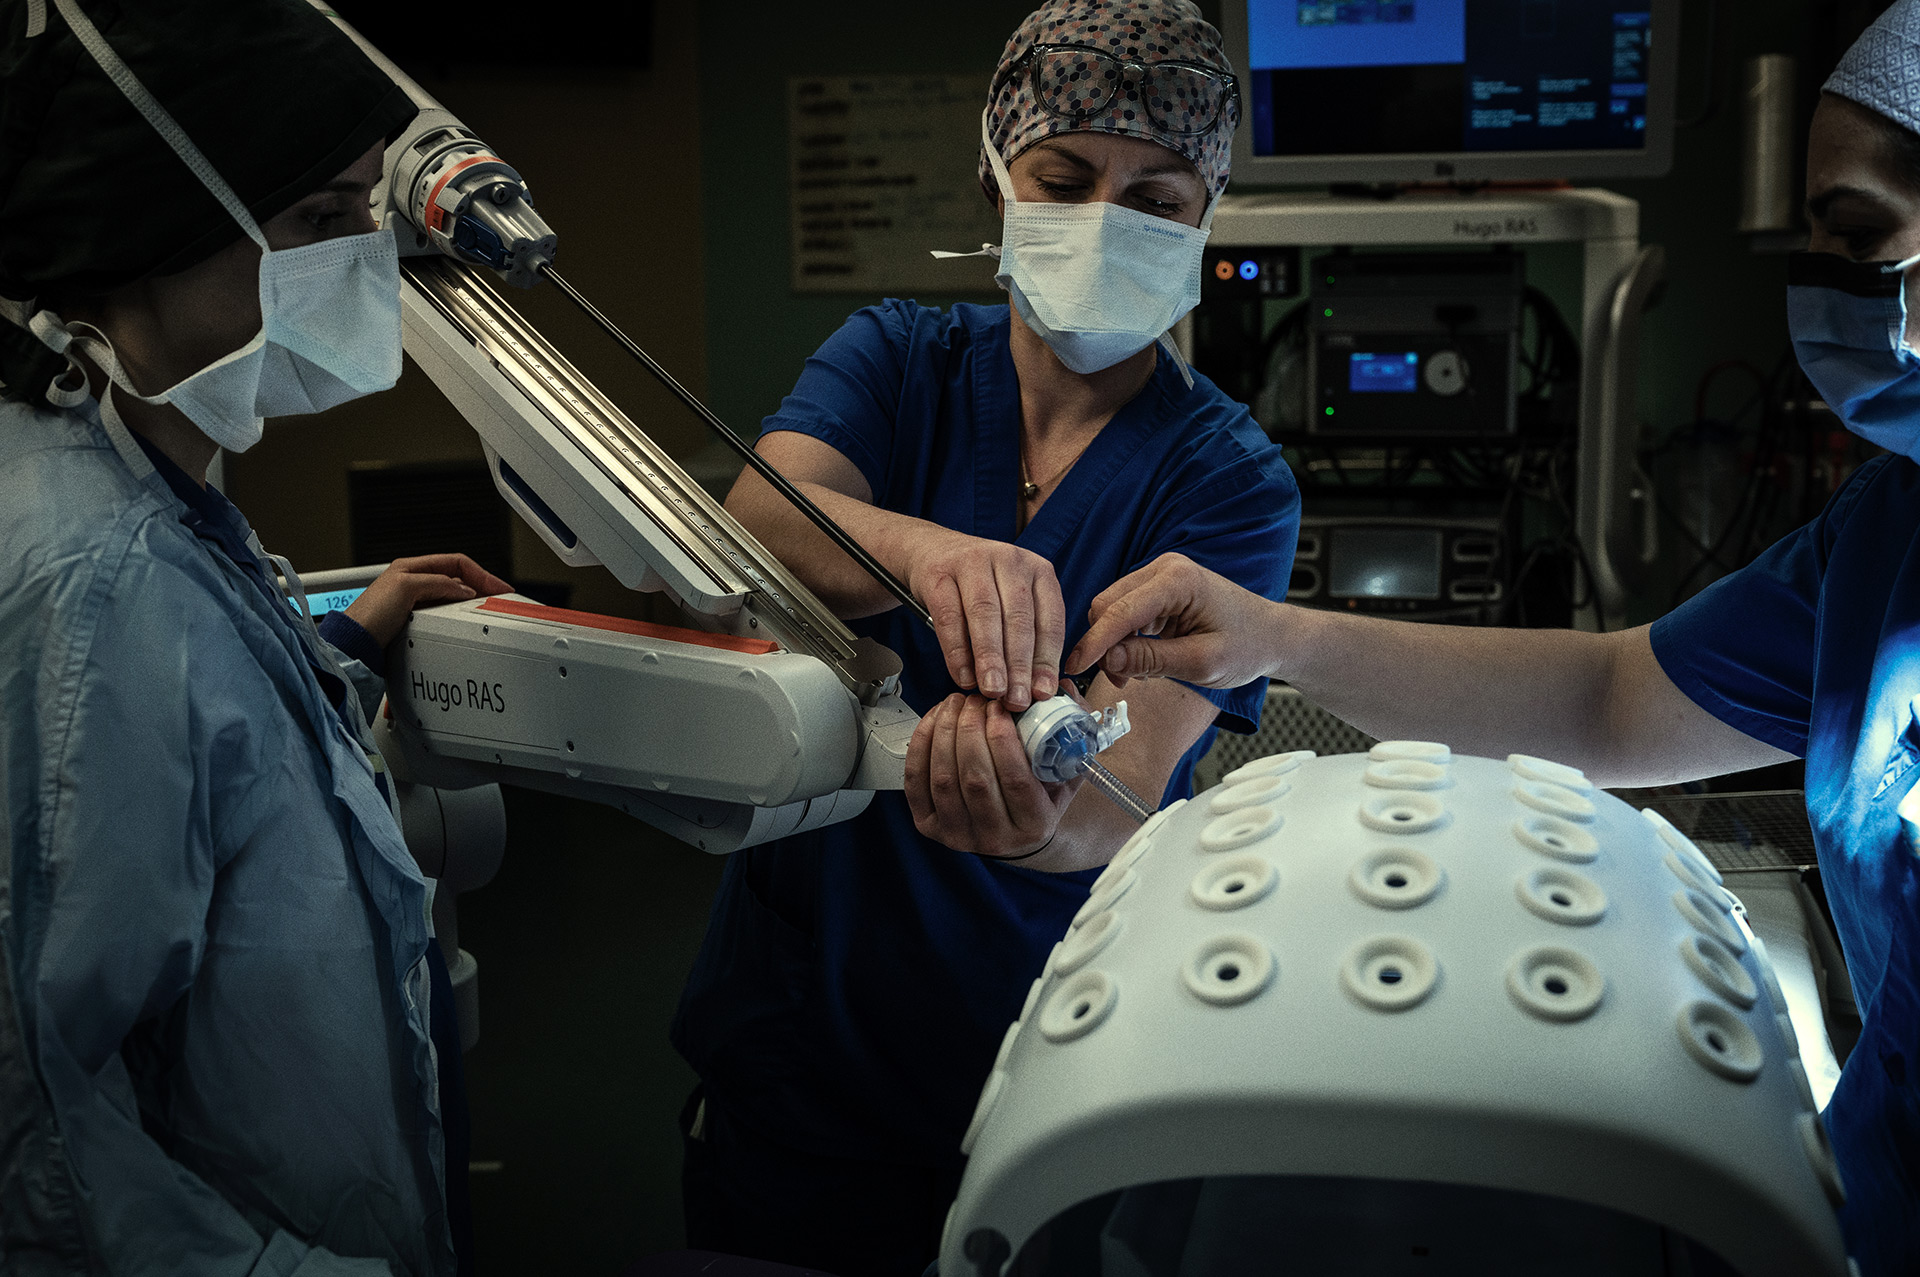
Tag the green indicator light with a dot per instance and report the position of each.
(1329, 279)
(1329, 410)
(1328, 312)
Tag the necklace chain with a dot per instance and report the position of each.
(1028, 488)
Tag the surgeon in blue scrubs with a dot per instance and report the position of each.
(1813, 651)
(1008, 463)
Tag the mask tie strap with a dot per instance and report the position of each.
(1901, 346)
(1166, 338)
(55, 337)
(130, 452)
(1179, 360)
(999, 166)
(63, 339)
(985, 250)
(144, 102)
(36, 18)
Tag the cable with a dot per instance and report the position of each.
(1752, 509)
(798, 499)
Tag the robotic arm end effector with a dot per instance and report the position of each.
(451, 193)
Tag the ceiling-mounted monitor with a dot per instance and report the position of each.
(1451, 90)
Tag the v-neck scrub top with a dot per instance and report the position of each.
(1814, 648)
(855, 981)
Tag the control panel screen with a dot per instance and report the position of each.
(321, 602)
(1399, 77)
(1397, 373)
(1383, 563)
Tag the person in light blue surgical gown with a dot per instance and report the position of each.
(223, 1043)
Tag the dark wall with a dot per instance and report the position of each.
(759, 331)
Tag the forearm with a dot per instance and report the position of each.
(1600, 702)
(811, 555)
(1482, 691)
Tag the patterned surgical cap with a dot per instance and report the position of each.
(1882, 70)
(1146, 30)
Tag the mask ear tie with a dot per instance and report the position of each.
(56, 337)
(1179, 360)
(36, 18)
(129, 84)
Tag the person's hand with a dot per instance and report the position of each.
(1210, 632)
(998, 612)
(408, 583)
(971, 786)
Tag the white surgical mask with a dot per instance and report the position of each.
(329, 312)
(1097, 282)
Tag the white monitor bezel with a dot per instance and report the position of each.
(1652, 160)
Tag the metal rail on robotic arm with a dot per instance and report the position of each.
(597, 489)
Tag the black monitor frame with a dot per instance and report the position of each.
(1653, 159)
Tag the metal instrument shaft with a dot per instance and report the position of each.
(1116, 790)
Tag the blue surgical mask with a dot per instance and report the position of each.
(1849, 323)
(1098, 283)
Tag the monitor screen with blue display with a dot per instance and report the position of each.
(321, 602)
(1408, 90)
(1397, 373)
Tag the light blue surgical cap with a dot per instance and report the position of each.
(1882, 70)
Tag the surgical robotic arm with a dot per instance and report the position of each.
(765, 717)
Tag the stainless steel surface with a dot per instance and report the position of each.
(1609, 537)
(340, 578)
(1769, 150)
(1112, 786)
(661, 491)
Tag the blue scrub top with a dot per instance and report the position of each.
(1815, 649)
(855, 981)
